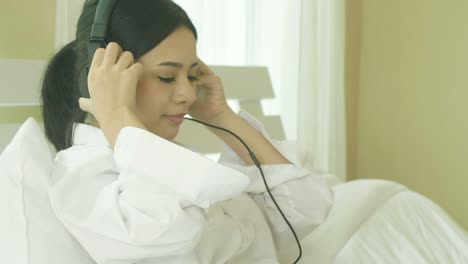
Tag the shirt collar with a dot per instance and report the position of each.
(84, 134)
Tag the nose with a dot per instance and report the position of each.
(185, 92)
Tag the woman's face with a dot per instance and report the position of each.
(167, 86)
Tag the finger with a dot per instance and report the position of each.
(86, 104)
(137, 70)
(130, 80)
(97, 59)
(206, 80)
(113, 51)
(204, 69)
(126, 60)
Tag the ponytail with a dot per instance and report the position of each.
(59, 96)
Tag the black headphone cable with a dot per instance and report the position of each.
(254, 159)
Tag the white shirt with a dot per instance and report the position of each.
(153, 201)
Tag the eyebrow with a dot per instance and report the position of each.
(176, 64)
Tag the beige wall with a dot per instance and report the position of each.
(27, 29)
(352, 69)
(27, 32)
(408, 109)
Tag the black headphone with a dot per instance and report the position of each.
(97, 40)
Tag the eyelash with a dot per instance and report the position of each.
(170, 80)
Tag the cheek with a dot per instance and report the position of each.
(149, 89)
(151, 92)
(151, 97)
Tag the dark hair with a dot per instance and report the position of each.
(137, 26)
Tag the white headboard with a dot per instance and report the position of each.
(245, 87)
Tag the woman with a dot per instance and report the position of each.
(130, 195)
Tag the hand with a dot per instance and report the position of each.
(112, 82)
(211, 105)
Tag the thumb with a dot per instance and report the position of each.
(86, 105)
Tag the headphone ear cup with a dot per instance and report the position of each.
(83, 82)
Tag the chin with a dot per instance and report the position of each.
(171, 134)
(164, 131)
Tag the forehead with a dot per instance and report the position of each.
(179, 46)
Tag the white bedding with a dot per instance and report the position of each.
(375, 221)
(371, 221)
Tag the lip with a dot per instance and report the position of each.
(176, 119)
(177, 115)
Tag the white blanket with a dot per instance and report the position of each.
(376, 221)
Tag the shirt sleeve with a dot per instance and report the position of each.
(147, 201)
(303, 195)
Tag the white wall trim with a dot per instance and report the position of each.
(21, 81)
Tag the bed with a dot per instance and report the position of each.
(377, 221)
(371, 221)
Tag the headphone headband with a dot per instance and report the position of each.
(101, 19)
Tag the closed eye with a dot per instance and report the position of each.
(166, 80)
(172, 79)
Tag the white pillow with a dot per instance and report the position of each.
(30, 233)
